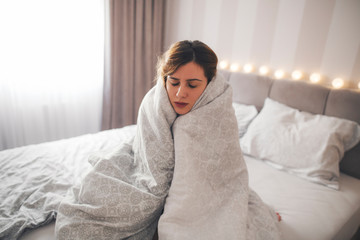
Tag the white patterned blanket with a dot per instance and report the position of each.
(34, 179)
(209, 196)
(124, 194)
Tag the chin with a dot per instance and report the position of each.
(182, 111)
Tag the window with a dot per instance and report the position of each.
(51, 69)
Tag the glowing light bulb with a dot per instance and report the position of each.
(279, 74)
(264, 70)
(359, 85)
(234, 67)
(224, 64)
(338, 83)
(296, 75)
(248, 68)
(315, 78)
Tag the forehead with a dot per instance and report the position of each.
(189, 70)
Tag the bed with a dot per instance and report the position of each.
(316, 201)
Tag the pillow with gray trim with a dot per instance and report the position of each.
(307, 145)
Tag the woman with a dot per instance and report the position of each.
(186, 69)
(186, 138)
(209, 197)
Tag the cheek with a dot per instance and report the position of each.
(198, 93)
(169, 90)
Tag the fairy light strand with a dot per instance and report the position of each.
(264, 70)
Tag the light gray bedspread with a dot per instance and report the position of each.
(34, 179)
(123, 196)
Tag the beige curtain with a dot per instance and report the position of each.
(133, 41)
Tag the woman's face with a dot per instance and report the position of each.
(185, 86)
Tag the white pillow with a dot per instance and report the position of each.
(308, 145)
(244, 115)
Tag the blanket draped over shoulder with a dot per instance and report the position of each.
(209, 196)
(198, 154)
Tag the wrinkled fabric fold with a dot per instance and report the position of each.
(209, 197)
(123, 195)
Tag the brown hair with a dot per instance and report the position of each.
(183, 52)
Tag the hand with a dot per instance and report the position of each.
(279, 217)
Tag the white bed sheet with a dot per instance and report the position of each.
(308, 210)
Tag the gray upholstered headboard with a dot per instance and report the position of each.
(343, 103)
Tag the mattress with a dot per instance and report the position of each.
(308, 210)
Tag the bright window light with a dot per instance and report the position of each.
(52, 61)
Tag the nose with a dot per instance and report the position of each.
(181, 92)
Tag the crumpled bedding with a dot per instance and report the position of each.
(123, 196)
(34, 179)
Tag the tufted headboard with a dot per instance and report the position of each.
(253, 89)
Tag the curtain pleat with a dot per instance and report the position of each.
(134, 40)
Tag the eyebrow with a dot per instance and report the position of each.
(188, 80)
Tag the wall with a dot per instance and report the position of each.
(309, 35)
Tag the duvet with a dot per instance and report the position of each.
(194, 162)
(34, 179)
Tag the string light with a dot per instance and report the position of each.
(279, 74)
(234, 67)
(248, 68)
(264, 70)
(296, 75)
(338, 83)
(224, 64)
(315, 78)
